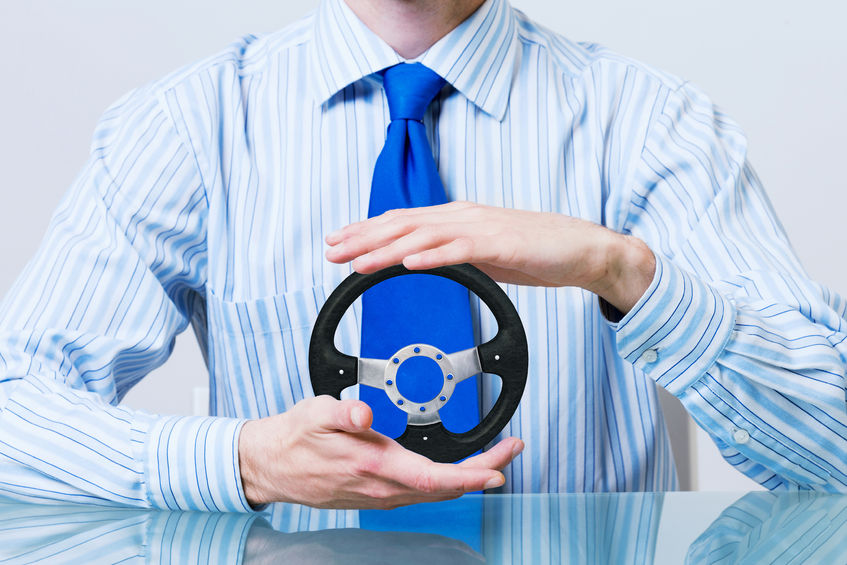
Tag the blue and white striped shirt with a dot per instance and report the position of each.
(207, 197)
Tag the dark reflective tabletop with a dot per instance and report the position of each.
(753, 528)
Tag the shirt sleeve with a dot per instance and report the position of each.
(731, 323)
(119, 274)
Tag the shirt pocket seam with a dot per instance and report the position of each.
(282, 313)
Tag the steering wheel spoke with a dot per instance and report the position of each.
(423, 418)
(465, 364)
(372, 372)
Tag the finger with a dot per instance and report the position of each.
(392, 252)
(439, 479)
(367, 239)
(435, 212)
(417, 216)
(497, 457)
(453, 478)
(460, 250)
(379, 231)
(352, 416)
(446, 243)
(391, 216)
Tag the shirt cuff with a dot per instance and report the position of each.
(191, 463)
(678, 328)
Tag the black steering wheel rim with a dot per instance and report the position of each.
(505, 355)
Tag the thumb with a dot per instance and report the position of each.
(353, 416)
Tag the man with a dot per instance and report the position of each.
(208, 200)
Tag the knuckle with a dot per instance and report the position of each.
(396, 227)
(429, 231)
(323, 403)
(323, 399)
(475, 211)
(424, 482)
(369, 464)
(380, 494)
(465, 245)
(396, 220)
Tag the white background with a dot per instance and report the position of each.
(777, 67)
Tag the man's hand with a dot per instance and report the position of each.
(322, 453)
(512, 246)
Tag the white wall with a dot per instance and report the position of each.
(777, 66)
(63, 63)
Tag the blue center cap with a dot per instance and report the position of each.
(419, 379)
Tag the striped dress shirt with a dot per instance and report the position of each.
(206, 199)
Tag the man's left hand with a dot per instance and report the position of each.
(511, 246)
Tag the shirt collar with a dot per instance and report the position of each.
(478, 57)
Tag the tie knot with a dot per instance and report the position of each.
(410, 87)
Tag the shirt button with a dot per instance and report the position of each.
(740, 436)
(649, 356)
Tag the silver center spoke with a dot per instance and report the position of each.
(465, 364)
(423, 418)
(372, 372)
(382, 374)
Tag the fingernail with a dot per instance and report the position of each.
(494, 482)
(356, 416)
(516, 450)
(332, 253)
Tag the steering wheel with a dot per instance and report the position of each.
(505, 355)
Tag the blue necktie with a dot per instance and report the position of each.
(414, 308)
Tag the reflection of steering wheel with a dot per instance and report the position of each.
(355, 547)
(505, 355)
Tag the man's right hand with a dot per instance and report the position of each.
(322, 453)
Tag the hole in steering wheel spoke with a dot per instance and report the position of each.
(419, 379)
(490, 386)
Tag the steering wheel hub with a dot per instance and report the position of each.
(420, 412)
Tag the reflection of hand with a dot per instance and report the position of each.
(352, 547)
(513, 246)
(323, 453)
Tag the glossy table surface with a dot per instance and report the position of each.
(753, 528)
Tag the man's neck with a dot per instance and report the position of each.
(411, 27)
